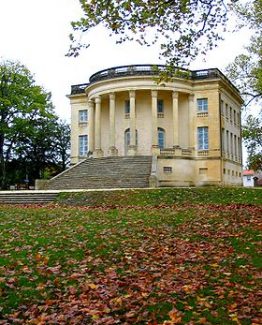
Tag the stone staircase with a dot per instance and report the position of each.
(106, 172)
(26, 197)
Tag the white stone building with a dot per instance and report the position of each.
(190, 125)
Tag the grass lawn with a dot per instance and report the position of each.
(136, 257)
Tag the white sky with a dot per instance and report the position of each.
(35, 32)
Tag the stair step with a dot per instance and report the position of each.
(26, 198)
(105, 172)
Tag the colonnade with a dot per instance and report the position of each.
(94, 134)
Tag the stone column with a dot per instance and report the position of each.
(98, 151)
(155, 148)
(175, 119)
(112, 107)
(132, 147)
(191, 125)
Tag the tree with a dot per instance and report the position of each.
(45, 147)
(20, 101)
(183, 28)
(62, 144)
(246, 70)
(246, 73)
(252, 134)
(29, 129)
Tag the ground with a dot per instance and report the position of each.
(171, 256)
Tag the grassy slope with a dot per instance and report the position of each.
(133, 264)
(165, 196)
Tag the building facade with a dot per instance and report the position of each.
(190, 125)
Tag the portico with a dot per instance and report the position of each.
(109, 107)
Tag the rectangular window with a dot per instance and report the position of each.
(238, 119)
(222, 107)
(235, 146)
(227, 111)
(83, 145)
(234, 118)
(161, 138)
(202, 105)
(160, 108)
(228, 145)
(223, 140)
(231, 144)
(83, 116)
(202, 171)
(127, 107)
(230, 112)
(167, 170)
(239, 148)
(202, 137)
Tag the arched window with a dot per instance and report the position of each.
(161, 138)
(127, 139)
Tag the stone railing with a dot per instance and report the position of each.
(127, 70)
(150, 70)
(188, 152)
(78, 89)
(178, 152)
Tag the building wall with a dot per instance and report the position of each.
(231, 139)
(232, 173)
(184, 132)
(248, 181)
(181, 172)
(77, 129)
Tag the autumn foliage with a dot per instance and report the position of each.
(171, 264)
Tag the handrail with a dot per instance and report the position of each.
(127, 70)
(150, 70)
(78, 89)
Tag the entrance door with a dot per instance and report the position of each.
(127, 140)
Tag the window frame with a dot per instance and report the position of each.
(222, 107)
(202, 105)
(161, 131)
(167, 170)
(82, 112)
(127, 139)
(160, 108)
(82, 145)
(227, 111)
(127, 108)
(202, 138)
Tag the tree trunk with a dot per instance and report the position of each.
(2, 163)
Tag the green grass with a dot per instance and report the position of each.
(133, 262)
(164, 196)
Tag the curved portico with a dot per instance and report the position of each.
(143, 112)
(108, 94)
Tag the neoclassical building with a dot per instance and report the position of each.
(190, 125)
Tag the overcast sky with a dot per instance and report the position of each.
(35, 32)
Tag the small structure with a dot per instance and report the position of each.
(249, 178)
(252, 178)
